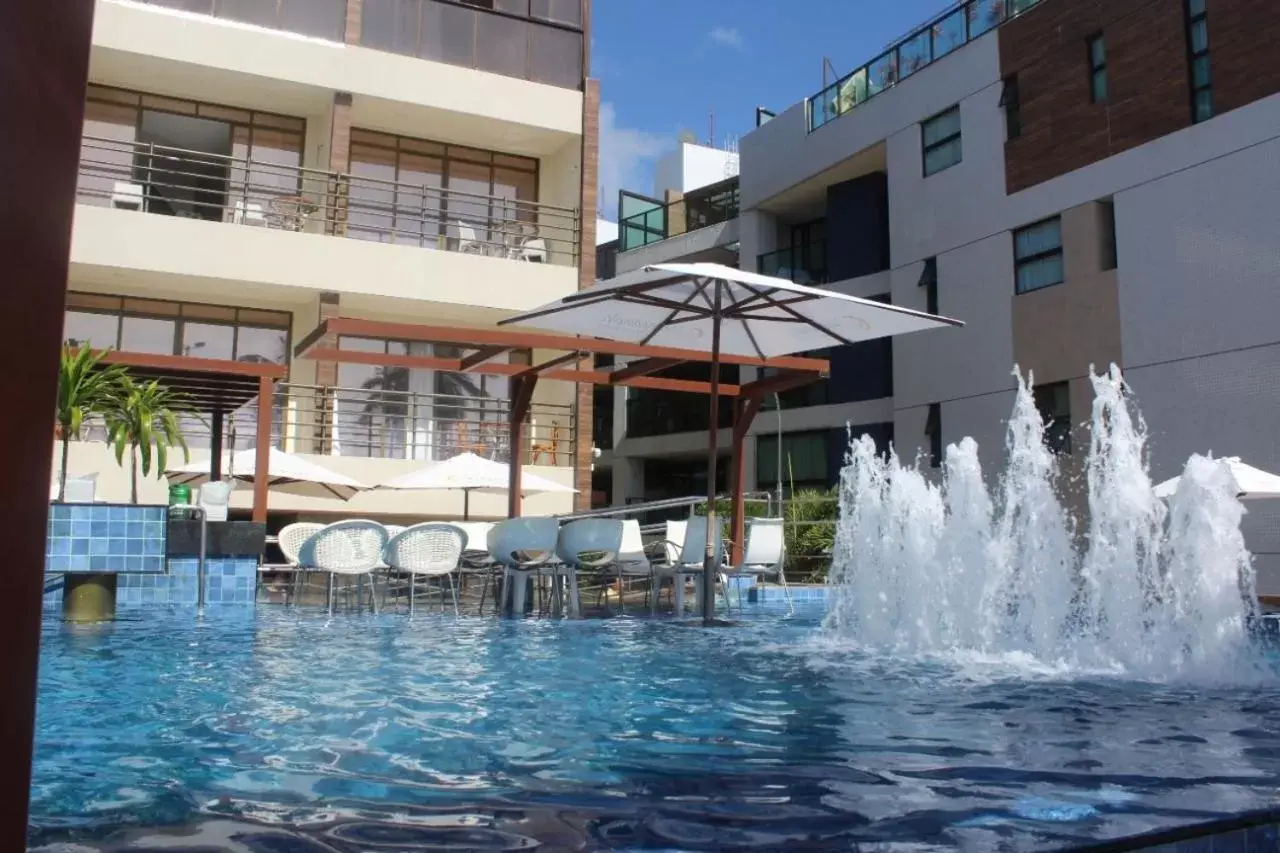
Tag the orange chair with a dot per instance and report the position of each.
(549, 446)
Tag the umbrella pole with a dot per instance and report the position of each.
(466, 504)
(713, 446)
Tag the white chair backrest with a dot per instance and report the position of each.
(765, 543)
(394, 530)
(293, 536)
(524, 542)
(248, 213)
(433, 548)
(674, 541)
(214, 497)
(695, 542)
(81, 490)
(632, 540)
(599, 537)
(126, 195)
(534, 249)
(477, 533)
(346, 547)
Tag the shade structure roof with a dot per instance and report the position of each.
(1251, 483)
(762, 316)
(210, 384)
(292, 473)
(469, 472)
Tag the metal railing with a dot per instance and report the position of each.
(326, 19)
(700, 208)
(792, 264)
(214, 187)
(944, 34)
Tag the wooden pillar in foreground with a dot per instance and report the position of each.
(521, 399)
(262, 449)
(745, 410)
(44, 62)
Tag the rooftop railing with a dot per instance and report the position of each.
(700, 208)
(198, 185)
(948, 32)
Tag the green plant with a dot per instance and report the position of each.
(142, 418)
(811, 516)
(86, 387)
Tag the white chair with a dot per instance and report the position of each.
(763, 555)
(534, 249)
(82, 489)
(351, 548)
(431, 550)
(248, 213)
(522, 546)
(290, 539)
(214, 497)
(468, 242)
(689, 562)
(633, 560)
(476, 561)
(126, 195)
(589, 544)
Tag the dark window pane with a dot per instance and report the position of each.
(248, 11)
(555, 57)
(943, 157)
(940, 127)
(1204, 105)
(207, 340)
(1199, 37)
(513, 7)
(560, 11)
(1042, 273)
(448, 33)
(1200, 71)
(1196, 7)
(883, 73)
(144, 334)
(262, 345)
(1099, 86)
(97, 330)
(325, 19)
(1036, 239)
(390, 25)
(1097, 52)
(502, 45)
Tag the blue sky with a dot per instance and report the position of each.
(665, 65)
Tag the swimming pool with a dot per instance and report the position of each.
(292, 732)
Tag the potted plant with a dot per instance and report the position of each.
(142, 418)
(86, 387)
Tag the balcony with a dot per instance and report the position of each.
(700, 208)
(326, 19)
(803, 265)
(940, 37)
(196, 185)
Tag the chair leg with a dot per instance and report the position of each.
(331, 593)
(412, 589)
(453, 591)
(786, 591)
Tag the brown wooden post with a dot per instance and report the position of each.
(44, 62)
(262, 450)
(521, 398)
(745, 410)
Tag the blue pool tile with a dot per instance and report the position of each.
(57, 563)
(133, 547)
(99, 547)
(136, 529)
(60, 527)
(152, 546)
(60, 546)
(119, 529)
(99, 528)
(79, 563)
(80, 512)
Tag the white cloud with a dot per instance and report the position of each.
(728, 36)
(626, 153)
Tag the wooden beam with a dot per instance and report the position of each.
(191, 364)
(474, 337)
(541, 369)
(644, 367)
(745, 410)
(262, 451)
(521, 401)
(481, 356)
(778, 384)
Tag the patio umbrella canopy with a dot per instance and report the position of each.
(290, 473)
(722, 310)
(1251, 483)
(469, 473)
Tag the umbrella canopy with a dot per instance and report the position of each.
(1251, 483)
(291, 473)
(719, 310)
(469, 473)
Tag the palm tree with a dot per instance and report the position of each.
(85, 387)
(142, 417)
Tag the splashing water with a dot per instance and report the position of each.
(1142, 589)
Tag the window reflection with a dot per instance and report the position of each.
(205, 340)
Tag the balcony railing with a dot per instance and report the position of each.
(803, 266)
(326, 19)
(944, 34)
(198, 185)
(387, 424)
(700, 208)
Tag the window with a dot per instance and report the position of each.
(933, 429)
(941, 136)
(1012, 108)
(1198, 54)
(1053, 402)
(805, 460)
(1037, 255)
(1097, 70)
(1107, 227)
(929, 280)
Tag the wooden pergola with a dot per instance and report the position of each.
(216, 387)
(482, 347)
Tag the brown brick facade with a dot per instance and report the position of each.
(355, 12)
(586, 277)
(1149, 93)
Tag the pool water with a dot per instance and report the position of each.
(285, 731)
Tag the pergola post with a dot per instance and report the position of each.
(521, 400)
(215, 445)
(262, 450)
(745, 410)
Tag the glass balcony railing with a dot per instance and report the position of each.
(945, 34)
(700, 208)
(803, 265)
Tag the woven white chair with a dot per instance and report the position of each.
(291, 538)
(689, 562)
(476, 559)
(522, 546)
(350, 548)
(764, 555)
(590, 544)
(430, 550)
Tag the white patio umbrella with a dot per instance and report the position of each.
(1251, 483)
(469, 473)
(719, 309)
(286, 472)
